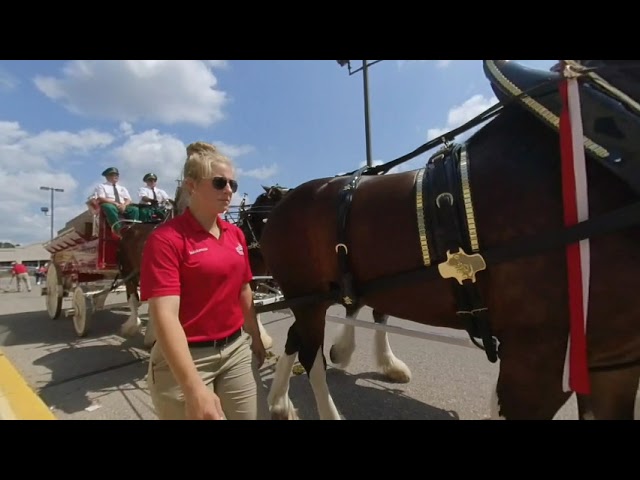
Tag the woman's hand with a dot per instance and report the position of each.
(257, 347)
(203, 404)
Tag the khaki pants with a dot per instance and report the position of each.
(23, 278)
(231, 371)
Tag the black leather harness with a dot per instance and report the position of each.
(448, 237)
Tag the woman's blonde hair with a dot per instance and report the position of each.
(202, 158)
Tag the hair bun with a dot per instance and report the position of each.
(200, 148)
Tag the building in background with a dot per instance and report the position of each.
(33, 256)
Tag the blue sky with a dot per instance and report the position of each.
(281, 121)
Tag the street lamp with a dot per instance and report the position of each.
(52, 191)
(365, 81)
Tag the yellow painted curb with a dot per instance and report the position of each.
(18, 401)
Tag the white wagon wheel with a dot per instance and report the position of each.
(82, 311)
(54, 292)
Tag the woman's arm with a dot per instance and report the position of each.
(251, 322)
(248, 310)
(173, 342)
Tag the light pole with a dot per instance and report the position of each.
(52, 190)
(365, 81)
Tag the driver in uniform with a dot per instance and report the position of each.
(115, 200)
(153, 196)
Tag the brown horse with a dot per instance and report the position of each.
(251, 220)
(496, 203)
(133, 238)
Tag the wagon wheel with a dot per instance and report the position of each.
(54, 292)
(82, 311)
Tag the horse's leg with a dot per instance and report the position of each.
(310, 342)
(132, 325)
(307, 343)
(585, 407)
(613, 393)
(529, 386)
(318, 377)
(280, 404)
(267, 341)
(344, 343)
(391, 366)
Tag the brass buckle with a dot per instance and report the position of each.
(462, 266)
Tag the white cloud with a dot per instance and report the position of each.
(7, 81)
(260, 173)
(21, 200)
(56, 143)
(30, 160)
(460, 114)
(164, 155)
(438, 63)
(126, 128)
(217, 63)
(20, 151)
(163, 91)
(233, 151)
(10, 132)
(407, 63)
(149, 151)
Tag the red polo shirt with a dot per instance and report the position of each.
(19, 268)
(182, 258)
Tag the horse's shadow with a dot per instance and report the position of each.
(362, 397)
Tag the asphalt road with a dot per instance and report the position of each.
(102, 376)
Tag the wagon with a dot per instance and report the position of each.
(84, 267)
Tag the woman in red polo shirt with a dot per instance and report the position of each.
(195, 276)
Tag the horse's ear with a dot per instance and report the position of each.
(266, 189)
(277, 194)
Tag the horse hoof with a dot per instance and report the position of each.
(130, 330)
(278, 414)
(398, 376)
(339, 357)
(267, 342)
(397, 372)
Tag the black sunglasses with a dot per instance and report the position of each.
(220, 182)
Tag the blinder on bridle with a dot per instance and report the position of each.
(247, 214)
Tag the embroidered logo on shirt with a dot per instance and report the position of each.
(193, 252)
(240, 250)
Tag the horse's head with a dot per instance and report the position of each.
(253, 218)
(180, 201)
